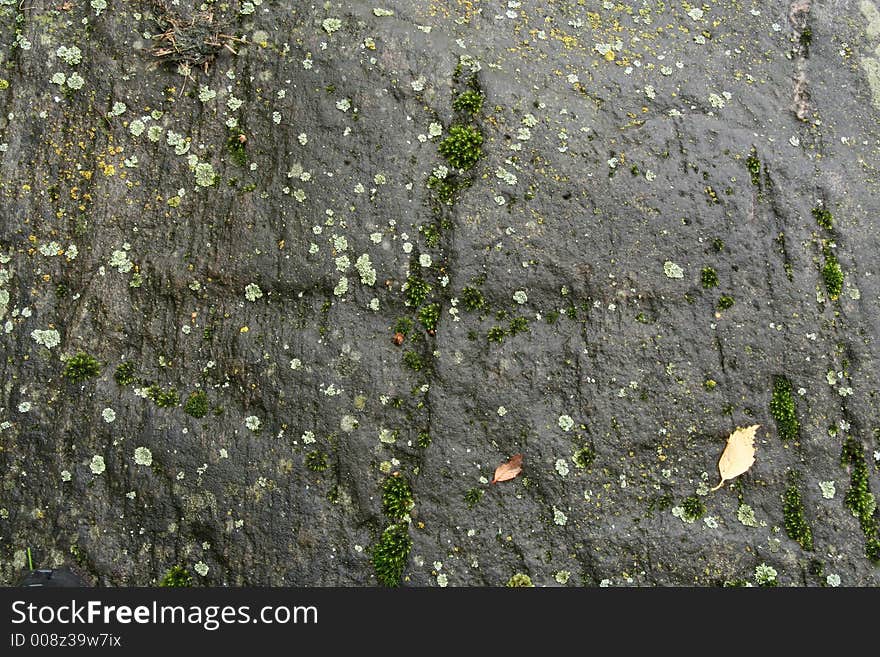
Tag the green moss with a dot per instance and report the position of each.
(417, 290)
(162, 397)
(177, 576)
(397, 499)
(584, 457)
(709, 277)
(806, 39)
(235, 148)
(196, 404)
(796, 525)
(495, 334)
(469, 101)
(125, 374)
(403, 325)
(432, 235)
(473, 496)
(424, 439)
(518, 325)
(753, 164)
(462, 148)
(859, 499)
(447, 188)
(519, 580)
(718, 244)
(823, 217)
(783, 409)
(428, 316)
(81, 367)
(832, 274)
(693, 507)
(472, 299)
(413, 360)
(725, 301)
(316, 460)
(391, 553)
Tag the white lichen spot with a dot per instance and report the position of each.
(746, 515)
(24, 407)
(425, 260)
(252, 292)
(97, 465)
(387, 436)
(75, 81)
(295, 363)
(330, 25)
(119, 259)
(206, 94)
(565, 422)
(765, 574)
(833, 580)
(201, 568)
(559, 517)
(348, 423)
(48, 338)
(143, 456)
(828, 489)
(672, 270)
(66, 476)
(365, 269)
(108, 414)
(341, 287)
(204, 173)
(562, 576)
(253, 423)
(442, 580)
(520, 296)
(561, 467)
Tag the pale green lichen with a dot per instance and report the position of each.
(252, 292)
(746, 515)
(672, 270)
(143, 456)
(69, 55)
(765, 575)
(330, 25)
(205, 175)
(828, 489)
(97, 465)
(365, 269)
(48, 338)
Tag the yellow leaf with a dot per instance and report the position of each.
(739, 455)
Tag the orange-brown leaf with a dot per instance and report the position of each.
(508, 470)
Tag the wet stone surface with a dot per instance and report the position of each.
(258, 259)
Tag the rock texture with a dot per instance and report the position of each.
(236, 198)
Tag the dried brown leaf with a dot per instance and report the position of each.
(508, 470)
(739, 455)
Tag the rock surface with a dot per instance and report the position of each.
(234, 198)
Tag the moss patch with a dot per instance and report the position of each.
(783, 409)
